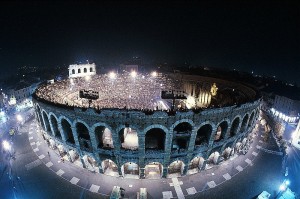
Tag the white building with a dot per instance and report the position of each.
(22, 91)
(82, 70)
(286, 109)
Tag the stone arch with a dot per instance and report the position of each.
(130, 170)
(181, 135)
(79, 71)
(196, 164)
(67, 129)
(155, 139)
(73, 71)
(128, 137)
(234, 126)
(90, 163)
(244, 123)
(85, 70)
(153, 170)
(83, 134)
(91, 69)
(227, 150)
(251, 119)
(176, 168)
(221, 130)
(213, 157)
(109, 167)
(203, 134)
(103, 135)
(46, 121)
(181, 121)
(54, 125)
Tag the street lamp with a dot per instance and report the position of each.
(6, 145)
(19, 118)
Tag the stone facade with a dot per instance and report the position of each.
(238, 122)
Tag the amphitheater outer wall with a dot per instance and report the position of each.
(115, 120)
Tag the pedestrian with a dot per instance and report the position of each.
(48, 154)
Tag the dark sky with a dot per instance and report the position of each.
(263, 37)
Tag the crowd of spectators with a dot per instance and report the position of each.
(123, 91)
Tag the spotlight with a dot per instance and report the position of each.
(112, 75)
(133, 74)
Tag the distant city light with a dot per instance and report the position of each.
(282, 187)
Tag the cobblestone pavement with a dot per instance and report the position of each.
(256, 168)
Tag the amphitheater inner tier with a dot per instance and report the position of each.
(131, 131)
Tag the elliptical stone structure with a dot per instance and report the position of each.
(206, 137)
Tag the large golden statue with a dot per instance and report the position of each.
(214, 89)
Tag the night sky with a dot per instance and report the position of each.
(259, 37)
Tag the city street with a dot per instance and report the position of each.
(34, 174)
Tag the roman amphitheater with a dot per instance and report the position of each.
(133, 131)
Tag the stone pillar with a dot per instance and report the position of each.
(97, 158)
(212, 137)
(63, 136)
(203, 165)
(169, 137)
(142, 173)
(142, 154)
(186, 167)
(75, 136)
(51, 128)
(227, 135)
(93, 140)
(82, 161)
(165, 172)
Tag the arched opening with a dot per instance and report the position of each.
(181, 136)
(155, 139)
(79, 71)
(195, 165)
(251, 119)
(47, 124)
(234, 127)
(129, 138)
(244, 141)
(85, 70)
(62, 151)
(203, 135)
(221, 131)
(91, 69)
(153, 170)
(238, 147)
(213, 158)
(244, 123)
(109, 168)
(66, 127)
(73, 71)
(130, 170)
(90, 163)
(228, 151)
(55, 127)
(83, 136)
(175, 169)
(103, 137)
(73, 155)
